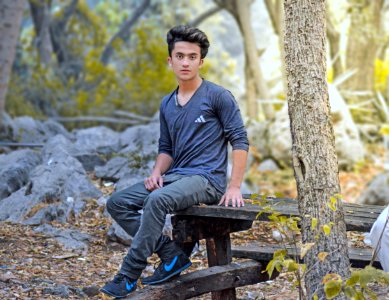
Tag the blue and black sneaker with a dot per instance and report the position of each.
(168, 269)
(120, 287)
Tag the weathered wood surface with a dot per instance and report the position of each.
(219, 254)
(187, 230)
(358, 217)
(359, 257)
(204, 281)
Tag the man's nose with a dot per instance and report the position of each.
(185, 61)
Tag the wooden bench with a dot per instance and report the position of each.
(216, 223)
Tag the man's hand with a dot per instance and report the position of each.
(155, 181)
(234, 195)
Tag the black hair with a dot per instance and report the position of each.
(184, 33)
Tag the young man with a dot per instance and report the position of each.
(197, 120)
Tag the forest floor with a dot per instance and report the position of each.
(33, 266)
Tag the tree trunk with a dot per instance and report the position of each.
(313, 145)
(334, 42)
(240, 10)
(276, 14)
(11, 13)
(244, 20)
(363, 43)
(40, 12)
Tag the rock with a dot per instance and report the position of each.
(117, 234)
(114, 169)
(88, 158)
(6, 130)
(59, 187)
(273, 139)
(377, 193)
(268, 165)
(15, 169)
(141, 140)
(70, 239)
(57, 290)
(91, 291)
(28, 130)
(348, 144)
(97, 139)
(128, 180)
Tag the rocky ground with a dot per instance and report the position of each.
(34, 266)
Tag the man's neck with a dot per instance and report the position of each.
(187, 87)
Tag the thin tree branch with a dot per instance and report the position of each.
(205, 15)
(271, 9)
(124, 32)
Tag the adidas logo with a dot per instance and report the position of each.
(200, 119)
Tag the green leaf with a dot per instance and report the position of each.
(384, 129)
(326, 229)
(291, 265)
(305, 248)
(280, 254)
(332, 288)
(313, 223)
(315, 297)
(367, 275)
(253, 196)
(349, 292)
(354, 278)
(270, 267)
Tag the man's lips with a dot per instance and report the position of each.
(185, 71)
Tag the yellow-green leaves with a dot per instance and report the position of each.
(332, 285)
(326, 229)
(313, 223)
(305, 248)
(322, 256)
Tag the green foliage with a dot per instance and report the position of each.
(356, 287)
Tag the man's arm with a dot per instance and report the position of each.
(233, 194)
(162, 164)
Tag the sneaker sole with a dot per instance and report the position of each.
(111, 294)
(170, 276)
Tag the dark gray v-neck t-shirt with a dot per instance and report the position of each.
(196, 135)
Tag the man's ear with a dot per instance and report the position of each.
(201, 62)
(169, 61)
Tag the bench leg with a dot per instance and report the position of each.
(219, 253)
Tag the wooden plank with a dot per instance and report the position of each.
(204, 281)
(357, 217)
(219, 254)
(187, 229)
(359, 257)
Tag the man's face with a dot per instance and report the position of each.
(185, 60)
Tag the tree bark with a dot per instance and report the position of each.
(40, 12)
(363, 43)
(124, 31)
(11, 13)
(313, 146)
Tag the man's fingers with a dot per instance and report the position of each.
(222, 200)
(160, 182)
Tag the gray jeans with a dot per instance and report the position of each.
(179, 192)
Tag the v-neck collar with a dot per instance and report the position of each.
(190, 99)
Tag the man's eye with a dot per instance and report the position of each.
(193, 57)
(179, 56)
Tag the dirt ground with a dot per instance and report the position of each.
(33, 266)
